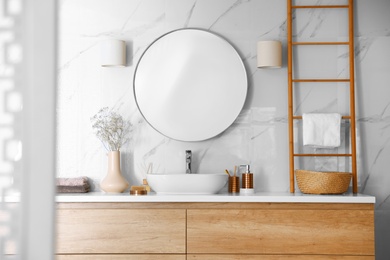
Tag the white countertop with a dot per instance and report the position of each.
(276, 197)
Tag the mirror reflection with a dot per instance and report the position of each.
(190, 84)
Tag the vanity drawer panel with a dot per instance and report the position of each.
(106, 231)
(289, 231)
(121, 257)
(277, 257)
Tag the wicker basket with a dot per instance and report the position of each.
(312, 182)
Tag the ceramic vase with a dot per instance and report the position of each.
(114, 182)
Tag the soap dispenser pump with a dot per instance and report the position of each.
(247, 181)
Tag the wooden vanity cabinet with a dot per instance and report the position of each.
(215, 231)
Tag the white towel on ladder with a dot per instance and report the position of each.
(321, 130)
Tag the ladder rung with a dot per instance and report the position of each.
(323, 154)
(320, 43)
(343, 117)
(319, 6)
(320, 80)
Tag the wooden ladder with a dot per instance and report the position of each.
(292, 80)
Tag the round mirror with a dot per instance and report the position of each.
(190, 85)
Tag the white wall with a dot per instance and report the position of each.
(259, 136)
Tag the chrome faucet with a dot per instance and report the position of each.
(188, 161)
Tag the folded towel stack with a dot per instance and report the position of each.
(321, 130)
(73, 185)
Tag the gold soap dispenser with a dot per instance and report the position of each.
(247, 181)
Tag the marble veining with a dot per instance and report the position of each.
(189, 15)
(230, 8)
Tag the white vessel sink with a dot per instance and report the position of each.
(195, 183)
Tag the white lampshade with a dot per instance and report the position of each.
(269, 54)
(113, 53)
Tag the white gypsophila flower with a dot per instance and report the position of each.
(111, 129)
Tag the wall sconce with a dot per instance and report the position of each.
(113, 53)
(269, 54)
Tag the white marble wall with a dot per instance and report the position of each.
(259, 136)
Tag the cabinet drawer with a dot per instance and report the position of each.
(277, 257)
(121, 257)
(106, 231)
(289, 231)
